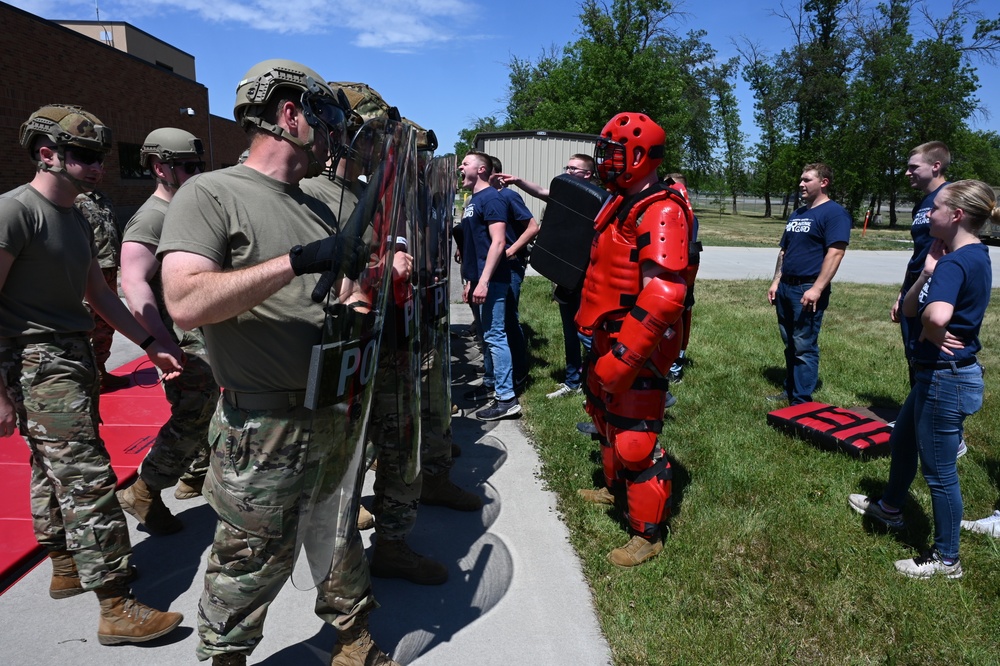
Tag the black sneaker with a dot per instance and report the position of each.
(479, 394)
(500, 409)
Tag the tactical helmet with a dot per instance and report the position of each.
(322, 107)
(426, 139)
(366, 103)
(66, 125)
(170, 144)
(629, 149)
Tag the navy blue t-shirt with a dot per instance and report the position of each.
(920, 231)
(962, 278)
(808, 233)
(484, 206)
(518, 216)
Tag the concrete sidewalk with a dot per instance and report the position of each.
(516, 593)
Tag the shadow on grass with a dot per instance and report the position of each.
(919, 527)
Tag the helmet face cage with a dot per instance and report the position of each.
(641, 143)
(609, 156)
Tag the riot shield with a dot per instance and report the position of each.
(433, 282)
(395, 418)
(343, 365)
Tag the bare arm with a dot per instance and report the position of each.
(831, 262)
(498, 239)
(534, 189)
(8, 416)
(139, 267)
(199, 292)
(530, 232)
(773, 289)
(107, 304)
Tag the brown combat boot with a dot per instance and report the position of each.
(366, 520)
(355, 647)
(125, 620)
(440, 491)
(66, 579)
(186, 490)
(393, 558)
(636, 551)
(148, 508)
(599, 496)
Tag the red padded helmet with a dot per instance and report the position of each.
(629, 149)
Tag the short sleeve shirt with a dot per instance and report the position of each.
(920, 232)
(808, 234)
(485, 207)
(962, 278)
(53, 248)
(239, 218)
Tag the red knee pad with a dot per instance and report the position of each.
(649, 497)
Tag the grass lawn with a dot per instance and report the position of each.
(765, 563)
(755, 231)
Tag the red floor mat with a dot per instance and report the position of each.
(131, 418)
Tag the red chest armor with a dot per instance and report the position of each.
(656, 228)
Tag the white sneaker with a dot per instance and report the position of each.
(988, 525)
(929, 565)
(563, 390)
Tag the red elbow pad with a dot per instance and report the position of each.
(659, 305)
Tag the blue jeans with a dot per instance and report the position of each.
(571, 338)
(515, 335)
(929, 426)
(497, 366)
(800, 333)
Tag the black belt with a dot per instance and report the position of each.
(944, 365)
(796, 280)
(264, 401)
(38, 338)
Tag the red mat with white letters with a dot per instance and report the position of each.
(130, 417)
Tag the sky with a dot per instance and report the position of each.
(443, 63)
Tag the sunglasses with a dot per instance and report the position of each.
(190, 168)
(85, 155)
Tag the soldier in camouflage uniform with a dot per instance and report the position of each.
(173, 156)
(49, 385)
(100, 212)
(396, 501)
(227, 268)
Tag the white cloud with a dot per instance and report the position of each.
(390, 25)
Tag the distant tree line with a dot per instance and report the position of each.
(861, 83)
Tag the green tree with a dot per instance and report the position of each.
(467, 137)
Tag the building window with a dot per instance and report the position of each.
(131, 165)
(165, 66)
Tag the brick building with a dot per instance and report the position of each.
(44, 62)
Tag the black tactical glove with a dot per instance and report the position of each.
(339, 252)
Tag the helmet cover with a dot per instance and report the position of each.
(66, 125)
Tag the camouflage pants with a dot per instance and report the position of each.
(183, 439)
(435, 415)
(103, 333)
(263, 463)
(391, 431)
(396, 501)
(54, 387)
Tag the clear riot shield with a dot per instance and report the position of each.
(343, 366)
(395, 418)
(433, 281)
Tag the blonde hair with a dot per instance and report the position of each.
(976, 199)
(934, 151)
